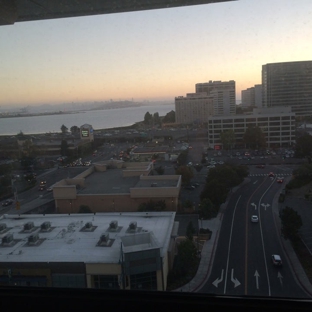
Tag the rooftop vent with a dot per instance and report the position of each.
(7, 239)
(133, 226)
(45, 226)
(2, 227)
(33, 239)
(28, 226)
(104, 238)
(113, 225)
(88, 225)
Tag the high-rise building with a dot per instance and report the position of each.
(223, 93)
(252, 97)
(194, 108)
(288, 84)
(212, 98)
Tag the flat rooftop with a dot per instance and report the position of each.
(110, 181)
(68, 241)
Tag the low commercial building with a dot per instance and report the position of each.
(278, 125)
(105, 250)
(116, 186)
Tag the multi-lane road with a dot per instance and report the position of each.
(242, 263)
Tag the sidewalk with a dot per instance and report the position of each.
(207, 255)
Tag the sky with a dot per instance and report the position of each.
(150, 55)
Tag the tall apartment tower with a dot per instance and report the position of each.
(223, 93)
(288, 84)
(252, 97)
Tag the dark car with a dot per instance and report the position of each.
(7, 202)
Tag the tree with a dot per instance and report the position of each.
(29, 149)
(208, 209)
(74, 130)
(169, 118)
(303, 147)
(160, 170)
(291, 223)
(228, 139)
(156, 119)
(187, 254)
(148, 118)
(64, 148)
(64, 129)
(186, 173)
(190, 230)
(84, 209)
(254, 138)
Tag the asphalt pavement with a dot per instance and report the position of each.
(208, 251)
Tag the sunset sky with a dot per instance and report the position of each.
(149, 55)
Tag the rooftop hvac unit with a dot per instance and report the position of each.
(46, 225)
(133, 225)
(104, 238)
(33, 238)
(113, 225)
(28, 226)
(88, 225)
(2, 227)
(7, 239)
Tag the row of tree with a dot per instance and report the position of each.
(155, 119)
(219, 182)
(253, 138)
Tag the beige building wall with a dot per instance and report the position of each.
(110, 203)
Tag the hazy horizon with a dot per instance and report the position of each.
(151, 55)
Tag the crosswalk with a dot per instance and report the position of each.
(265, 174)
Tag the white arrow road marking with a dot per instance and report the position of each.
(253, 204)
(265, 205)
(234, 280)
(257, 279)
(279, 276)
(218, 280)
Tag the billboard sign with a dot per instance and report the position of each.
(85, 133)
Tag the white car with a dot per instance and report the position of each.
(254, 218)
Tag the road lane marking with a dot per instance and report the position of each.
(265, 205)
(228, 256)
(234, 280)
(246, 235)
(265, 262)
(218, 280)
(256, 275)
(280, 277)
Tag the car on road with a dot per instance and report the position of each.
(41, 188)
(254, 218)
(8, 202)
(271, 174)
(190, 187)
(280, 180)
(276, 260)
(49, 189)
(260, 166)
(43, 182)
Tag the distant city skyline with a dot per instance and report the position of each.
(150, 55)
